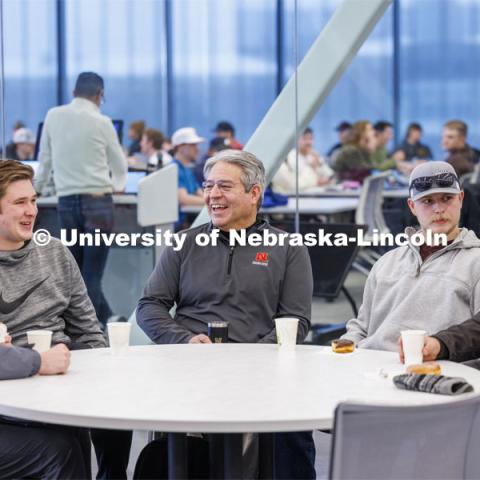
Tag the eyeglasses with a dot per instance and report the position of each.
(443, 180)
(222, 185)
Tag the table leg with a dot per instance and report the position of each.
(177, 456)
(216, 454)
(233, 467)
(266, 456)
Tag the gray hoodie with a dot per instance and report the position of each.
(402, 292)
(42, 288)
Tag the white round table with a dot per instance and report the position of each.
(213, 388)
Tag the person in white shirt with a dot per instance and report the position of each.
(313, 171)
(81, 146)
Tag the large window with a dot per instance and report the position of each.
(30, 61)
(194, 62)
(365, 89)
(124, 41)
(224, 63)
(440, 65)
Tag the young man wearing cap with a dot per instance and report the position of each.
(428, 287)
(24, 142)
(185, 143)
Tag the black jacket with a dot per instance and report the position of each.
(461, 342)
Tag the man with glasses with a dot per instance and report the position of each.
(81, 146)
(249, 286)
(428, 287)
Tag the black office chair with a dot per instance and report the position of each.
(330, 265)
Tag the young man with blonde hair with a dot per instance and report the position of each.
(41, 288)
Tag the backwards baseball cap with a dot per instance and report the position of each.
(433, 177)
(186, 135)
(23, 135)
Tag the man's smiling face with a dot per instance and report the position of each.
(230, 206)
(18, 210)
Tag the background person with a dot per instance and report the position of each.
(312, 168)
(185, 143)
(151, 146)
(135, 132)
(216, 145)
(383, 136)
(24, 145)
(353, 160)
(10, 147)
(343, 130)
(454, 141)
(227, 131)
(81, 146)
(412, 148)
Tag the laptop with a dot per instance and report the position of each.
(132, 182)
(118, 125)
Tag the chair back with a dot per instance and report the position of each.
(137, 335)
(434, 441)
(369, 211)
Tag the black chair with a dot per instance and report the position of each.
(330, 265)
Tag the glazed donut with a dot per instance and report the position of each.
(343, 346)
(427, 368)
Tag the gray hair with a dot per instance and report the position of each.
(253, 171)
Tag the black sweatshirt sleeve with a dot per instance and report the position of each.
(461, 342)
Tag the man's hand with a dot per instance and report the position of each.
(431, 349)
(55, 361)
(8, 340)
(200, 339)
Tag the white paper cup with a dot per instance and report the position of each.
(413, 341)
(286, 332)
(3, 332)
(119, 336)
(40, 339)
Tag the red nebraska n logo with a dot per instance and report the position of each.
(262, 257)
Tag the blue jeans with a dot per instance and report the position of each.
(85, 213)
